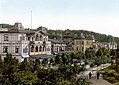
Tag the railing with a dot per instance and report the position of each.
(36, 53)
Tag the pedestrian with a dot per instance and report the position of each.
(98, 75)
(90, 75)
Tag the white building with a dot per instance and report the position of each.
(23, 43)
(13, 40)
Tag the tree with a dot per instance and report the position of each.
(45, 61)
(99, 53)
(98, 61)
(64, 58)
(24, 78)
(58, 59)
(82, 81)
(24, 65)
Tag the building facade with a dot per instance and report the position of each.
(57, 46)
(40, 46)
(22, 43)
(13, 40)
(82, 43)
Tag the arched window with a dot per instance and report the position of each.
(37, 37)
(76, 48)
(32, 48)
(40, 49)
(44, 48)
(48, 49)
(41, 37)
(29, 38)
(36, 49)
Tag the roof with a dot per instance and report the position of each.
(90, 37)
(80, 37)
(57, 41)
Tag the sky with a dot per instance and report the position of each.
(100, 16)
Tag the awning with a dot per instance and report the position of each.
(41, 56)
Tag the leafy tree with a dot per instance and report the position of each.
(45, 61)
(51, 60)
(64, 58)
(98, 61)
(24, 66)
(58, 59)
(82, 81)
(24, 78)
(99, 53)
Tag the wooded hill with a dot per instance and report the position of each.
(98, 36)
(6, 25)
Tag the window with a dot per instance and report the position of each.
(77, 48)
(48, 49)
(41, 37)
(29, 38)
(5, 37)
(36, 49)
(44, 48)
(40, 49)
(82, 48)
(32, 48)
(16, 49)
(37, 37)
(5, 49)
(25, 49)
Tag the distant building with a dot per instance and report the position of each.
(57, 46)
(68, 39)
(82, 43)
(108, 45)
(112, 44)
(79, 43)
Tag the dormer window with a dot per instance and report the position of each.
(5, 37)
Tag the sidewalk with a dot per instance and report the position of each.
(99, 82)
(94, 80)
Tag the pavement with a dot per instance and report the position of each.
(99, 82)
(94, 80)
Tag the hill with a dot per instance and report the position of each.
(6, 25)
(98, 36)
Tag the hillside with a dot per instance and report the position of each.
(6, 25)
(98, 36)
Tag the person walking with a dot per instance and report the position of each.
(90, 75)
(98, 75)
